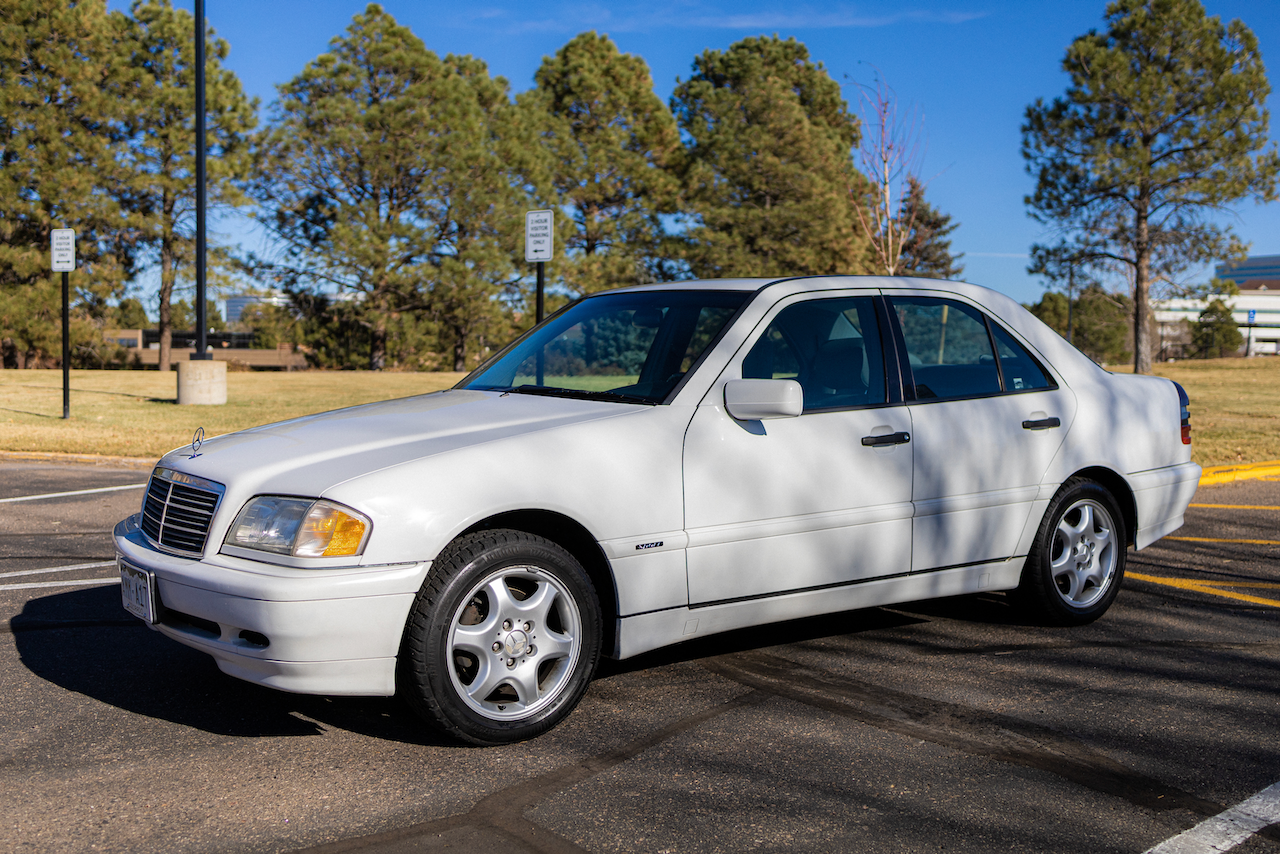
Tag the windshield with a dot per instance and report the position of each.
(631, 347)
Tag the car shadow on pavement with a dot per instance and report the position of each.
(84, 641)
(760, 637)
(993, 609)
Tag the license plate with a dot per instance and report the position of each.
(138, 591)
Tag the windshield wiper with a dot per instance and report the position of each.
(579, 394)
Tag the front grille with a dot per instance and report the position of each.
(178, 510)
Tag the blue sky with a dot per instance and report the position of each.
(970, 68)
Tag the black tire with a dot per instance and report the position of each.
(523, 594)
(1076, 564)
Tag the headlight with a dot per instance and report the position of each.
(301, 527)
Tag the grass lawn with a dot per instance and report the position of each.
(1235, 406)
(135, 413)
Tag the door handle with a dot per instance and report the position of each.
(888, 439)
(1042, 424)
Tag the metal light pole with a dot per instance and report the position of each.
(202, 346)
(201, 379)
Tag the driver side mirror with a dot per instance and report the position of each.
(754, 400)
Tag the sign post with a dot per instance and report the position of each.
(62, 245)
(1253, 317)
(539, 228)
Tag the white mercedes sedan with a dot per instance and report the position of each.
(656, 464)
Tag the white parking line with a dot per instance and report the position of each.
(1228, 829)
(74, 492)
(81, 581)
(46, 570)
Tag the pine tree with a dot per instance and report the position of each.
(611, 139)
(488, 183)
(1215, 334)
(57, 165)
(159, 144)
(1164, 123)
(926, 249)
(1099, 321)
(768, 168)
(391, 174)
(130, 314)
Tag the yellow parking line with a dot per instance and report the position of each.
(1261, 585)
(1219, 540)
(1237, 506)
(1213, 588)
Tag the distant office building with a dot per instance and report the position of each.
(237, 304)
(1258, 278)
(1256, 273)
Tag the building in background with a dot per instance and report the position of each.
(234, 305)
(1256, 310)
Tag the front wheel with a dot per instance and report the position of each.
(503, 638)
(1076, 564)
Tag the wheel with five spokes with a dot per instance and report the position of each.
(503, 638)
(1076, 564)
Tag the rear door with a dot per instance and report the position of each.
(984, 430)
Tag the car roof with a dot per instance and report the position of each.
(1045, 340)
(810, 283)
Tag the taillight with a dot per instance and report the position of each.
(1183, 403)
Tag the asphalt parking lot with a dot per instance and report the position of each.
(946, 726)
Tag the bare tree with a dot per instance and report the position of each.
(889, 157)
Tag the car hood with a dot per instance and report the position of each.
(309, 455)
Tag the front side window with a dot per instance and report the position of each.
(830, 346)
(631, 347)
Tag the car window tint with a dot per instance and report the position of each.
(711, 319)
(830, 346)
(948, 348)
(634, 346)
(600, 352)
(1021, 371)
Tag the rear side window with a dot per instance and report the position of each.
(1021, 371)
(830, 346)
(948, 348)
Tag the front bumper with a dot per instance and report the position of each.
(328, 631)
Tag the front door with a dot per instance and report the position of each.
(802, 503)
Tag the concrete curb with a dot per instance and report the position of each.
(1213, 475)
(83, 459)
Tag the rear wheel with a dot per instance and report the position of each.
(503, 638)
(1076, 564)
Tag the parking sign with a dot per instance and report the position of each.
(538, 227)
(63, 245)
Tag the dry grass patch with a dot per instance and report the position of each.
(135, 414)
(1235, 408)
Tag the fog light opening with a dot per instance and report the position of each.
(255, 639)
